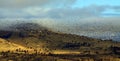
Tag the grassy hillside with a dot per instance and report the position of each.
(6, 46)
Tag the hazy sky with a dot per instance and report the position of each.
(60, 12)
(58, 9)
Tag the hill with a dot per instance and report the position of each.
(32, 35)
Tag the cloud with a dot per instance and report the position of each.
(60, 13)
(29, 3)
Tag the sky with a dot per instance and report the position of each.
(37, 9)
(59, 12)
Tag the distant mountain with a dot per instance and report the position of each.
(97, 29)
